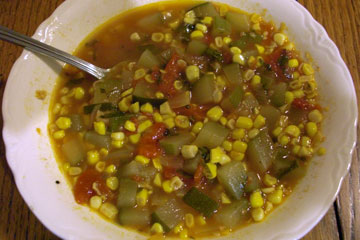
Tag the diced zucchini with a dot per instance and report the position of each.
(172, 144)
(206, 9)
(260, 151)
(233, 73)
(297, 116)
(127, 193)
(240, 22)
(115, 122)
(125, 154)
(247, 40)
(283, 162)
(196, 47)
(252, 183)
(271, 115)
(77, 123)
(135, 168)
(211, 135)
(200, 202)
(191, 165)
(134, 217)
(203, 89)
(73, 151)
(168, 215)
(278, 97)
(250, 101)
(261, 95)
(234, 213)
(103, 141)
(214, 54)
(148, 60)
(232, 176)
(145, 92)
(180, 100)
(233, 101)
(267, 80)
(221, 27)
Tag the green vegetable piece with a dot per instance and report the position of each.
(77, 123)
(233, 101)
(250, 102)
(196, 47)
(125, 154)
(283, 162)
(151, 21)
(211, 135)
(234, 213)
(127, 193)
(172, 144)
(232, 176)
(271, 114)
(214, 54)
(134, 217)
(260, 151)
(148, 60)
(233, 73)
(168, 215)
(240, 22)
(247, 40)
(278, 97)
(261, 95)
(206, 9)
(267, 80)
(103, 141)
(203, 89)
(200, 202)
(135, 168)
(180, 100)
(221, 27)
(144, 92)
(101, 106)
(191, 165)
(74, 151)
(252, 182)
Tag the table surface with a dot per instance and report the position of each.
(341, 19)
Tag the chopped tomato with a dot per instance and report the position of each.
(198, 176)
(208, 39)
(149, 145)
(227, 56)
(155, 74)
(168, 173)
(302, 104)
(137, 178)
(83, 189)
(195, 111)
(267, 27)
(172, 72)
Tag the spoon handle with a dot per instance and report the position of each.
(42, 48)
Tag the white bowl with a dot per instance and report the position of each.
(35, 170)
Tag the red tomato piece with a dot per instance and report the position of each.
(302, 104)
(195, 111)
(172, 70)
(148, 145)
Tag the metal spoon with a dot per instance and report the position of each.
(42, 48)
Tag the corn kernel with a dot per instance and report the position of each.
(79, 93)
(135, 37)
(130, 126)
(269, 180)
(235, 50)
(142, 159)
(315, 116)
(238, 58)
(63, 123)
(279, 38)
(305, 141)
(197, 34)
(276, 132)
(295, 150)
(268, 190)
(284, 140)
(192, 73)
(298, 93)
(268, 207)
(231, 124)
(140, 73)
(167, 187)
(110, 169)
(305, 152)
(238, 134)
(197, 127)
(255, 18)
(112, 183)
(189, 220)
(256, 200)
(118, 136)
(168, 37)
(127, 92)
(293, 63)
(227, 40)
(125, 104)
(159, 95)
(93, 157)
(223, 121)
(292, 130)
(189, 151)
(321, 151)
(260, 48)
(176, 183)
(256, 81)
(239, 146)
(100, 166)
(134, 139)
(169, 122)
(275, 197)
(227, 145)
(251, 60)
(117, 143)
(59, 134)
(257, 214)
(296, 75)
(178, 85)
(201, 220)
(259, 121)
(157, 228)
(184, 234)
(225, 199)
(210, 170)
(217, 155)
(57, 108)
(207, 20)
(74, 171)
(253, 133)
(244, 122)
(144, 125)
(237, 156)
(201, 27)
(289, 97)
(307, 69)
(215, 113)
(109, 210)
(182, 121)
(95, 202)
(256, 27)
(142, 197)
(157, 37)
(147, 108)
(157, 180)
(100, 127)
(134, 108)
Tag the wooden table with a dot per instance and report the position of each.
(341, 18)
